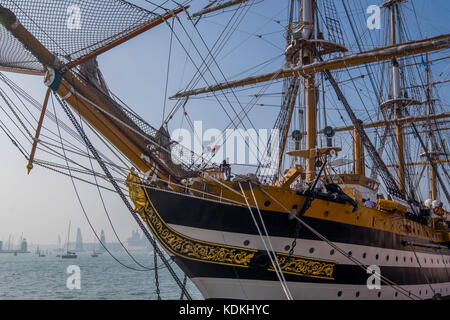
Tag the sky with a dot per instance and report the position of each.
(40, 205)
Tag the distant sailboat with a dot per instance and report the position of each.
(69, 254)
(94, 254)
(39, 253)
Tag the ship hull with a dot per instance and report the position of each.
(420, 272)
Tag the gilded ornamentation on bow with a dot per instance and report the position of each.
(136, 192)
(194, 249)
(208, 252)
(306, 266)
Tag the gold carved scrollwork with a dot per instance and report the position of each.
(307, 267)
(136, 192)
(197, 250)
(212, 252)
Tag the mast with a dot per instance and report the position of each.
(358, 154)
(432, 145)
(396, 102)
(311, 112)
(398, 108)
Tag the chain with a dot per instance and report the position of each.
(184, 285)
(120, 192)
(296, 235)
(309, 193)
(158, 292)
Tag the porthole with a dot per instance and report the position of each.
(364, 255)
(267, 203)
(325, 214)
(404, 259)
(411, 259)
(339, 293)
(357, 294)
(425, 260)
(311, 250)
(387, 258)
(350, 253)
(331, 252)
(246, 242)
(396, 258)
(377, 256)
(287, 247)
(420, 292)
(379, 294)
(396, 294)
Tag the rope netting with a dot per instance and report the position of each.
(14, 55)
(70, 29)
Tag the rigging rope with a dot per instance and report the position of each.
(85, 213)
(351, 258)
(275, 264)
(122, 195)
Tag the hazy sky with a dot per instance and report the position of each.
(41, 204)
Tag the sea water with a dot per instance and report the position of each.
(28, 276)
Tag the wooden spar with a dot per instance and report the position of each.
(311, 127)
(395, 86)
(420, 163)
(400, 153)
(403, 120)
(359, 166)
(310, 91)
(89, 103)
(100, 122)
(430, 110)
(38, 131)
(115, 43)
(21, 71)
(426, 85)
(380, 54)
(218, 7)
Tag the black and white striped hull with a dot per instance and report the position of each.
(421, 273)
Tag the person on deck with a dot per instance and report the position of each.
(369, 203)
(226, 169)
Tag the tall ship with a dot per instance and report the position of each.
(348, 197)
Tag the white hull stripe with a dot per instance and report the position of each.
(218, 288)
(321, 250)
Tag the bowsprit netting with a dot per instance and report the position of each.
(70, 29)
(13, 54)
